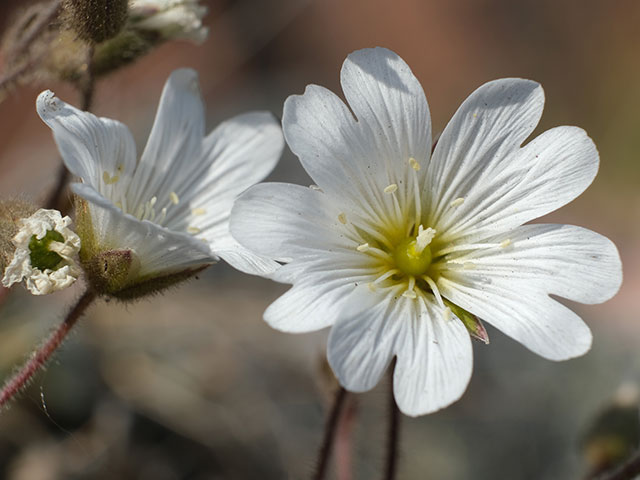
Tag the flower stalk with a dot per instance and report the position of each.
(16, 384)
(393, 435)
(329, 434)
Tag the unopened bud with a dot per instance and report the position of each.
(96, 20)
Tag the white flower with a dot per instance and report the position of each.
(170, 208)
(172, 19)
(45, 255)
(394, 239)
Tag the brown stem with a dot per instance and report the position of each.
(329, 434)
(41, 356)
(344, 440)
(629, 470)
(393, 435)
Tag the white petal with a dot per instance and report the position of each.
(435, 361)
(237, 154)
(159, 250)
(540, 323)
(487, 128)
(388, 99)
(572, 262)
(285, 221)
(175, 139)
(363, 341)
(547, 173)
(240, 258)
(90, 146)
(311, 304)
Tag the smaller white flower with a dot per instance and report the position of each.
(173, 19)
(45, 255)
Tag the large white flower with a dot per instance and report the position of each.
(169, 211)
(395, 240)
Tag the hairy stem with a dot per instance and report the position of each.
(329, 434)
(393, 436)
(41, 356)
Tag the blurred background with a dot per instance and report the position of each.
(194, 385)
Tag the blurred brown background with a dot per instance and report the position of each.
(194, 385)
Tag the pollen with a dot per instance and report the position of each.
(363, 248)
(505, 243)
(391, 188)
(457, 202)
(414, 164)
(198, 211)
(342, 218)
(108, 179)
(173, 196)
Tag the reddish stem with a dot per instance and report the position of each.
(41, 356)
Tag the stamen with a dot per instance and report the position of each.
(410, 294)
(446, 314)
(414, 164)
(457, 202)
(193, 230)
(153, 201)
(434, 289)
(469, 266)
(163, 215)
(391, 188)
(173, 196)
(363, 248)
(342, 218)
(464, 247)
(108, 179)
(386, 275)
(198, 211)
(505, 243)
(315, 187)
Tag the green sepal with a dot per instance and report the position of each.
(472, 323)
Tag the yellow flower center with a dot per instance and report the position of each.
(409, 259)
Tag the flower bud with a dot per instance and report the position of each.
(96, 20)
(472, 323)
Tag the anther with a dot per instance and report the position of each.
(446, 314)
(363, 248)
(193, 230)
(469, 266)
(414, 164)
(391, 188)
(409, 294)
(108, 179)
(342, 218)
(198, 211)
(173, 196)
(505, 243)
(457, 202)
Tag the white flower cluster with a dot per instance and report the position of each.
(45, 238)
(172, 19)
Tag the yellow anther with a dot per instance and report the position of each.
(193, 230)
(363, 248)
(391, 188)
(446, 314)
(505, 243)
(409, 294)
(342, 218)
(108, 179)
(414, 164)
(469, 266)
(457, 202)
(198, 211)
(173, 196)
